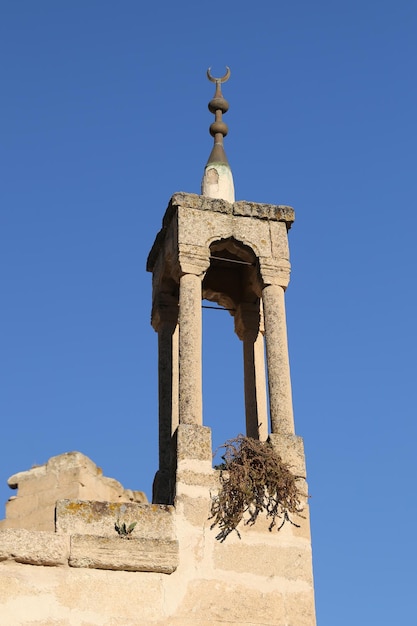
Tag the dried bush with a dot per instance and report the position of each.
(253, 479)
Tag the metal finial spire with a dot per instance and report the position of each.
(218, 129)
(218, 180)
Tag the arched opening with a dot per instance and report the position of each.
(232, 276)
(232, 387)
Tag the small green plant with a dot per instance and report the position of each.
(254, 479)
(123, 530)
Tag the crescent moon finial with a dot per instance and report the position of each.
(223, 79)
(220, 185)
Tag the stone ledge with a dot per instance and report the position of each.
(195, 201)
(133, 555)
(34, 547)
(274, 212)
(153, 521)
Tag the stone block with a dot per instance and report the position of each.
(194, 509)
(197, 229)
(279, 240)
(153, 521)
(291, 450)
(197, 476)
(110, 598)
(291, 563)
(34, 547)
(300, 608)
(193, 442)
(133, 555)
(229, 603)
(254, 233)
(65, 596)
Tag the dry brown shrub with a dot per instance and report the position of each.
(254, 479)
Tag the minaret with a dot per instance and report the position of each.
(217, 179)
(234, 253)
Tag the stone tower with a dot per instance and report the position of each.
(235, 254)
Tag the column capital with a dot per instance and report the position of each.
(193, 260)
(164, 310)
(274, 271)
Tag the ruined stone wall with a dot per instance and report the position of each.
(71, 475)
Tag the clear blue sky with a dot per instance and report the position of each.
(104, 116)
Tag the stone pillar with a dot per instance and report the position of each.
(279, 380)
(190, 344)
(175, 409)
(248, 327)
(165, 322)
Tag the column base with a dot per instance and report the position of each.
(192, 442)
(291, 450)
(163, 487)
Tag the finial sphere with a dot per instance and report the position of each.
(223, 79)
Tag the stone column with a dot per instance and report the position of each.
(248, 327)
(279, 380)
(190, 344)
(165, 320)
(175, 378)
